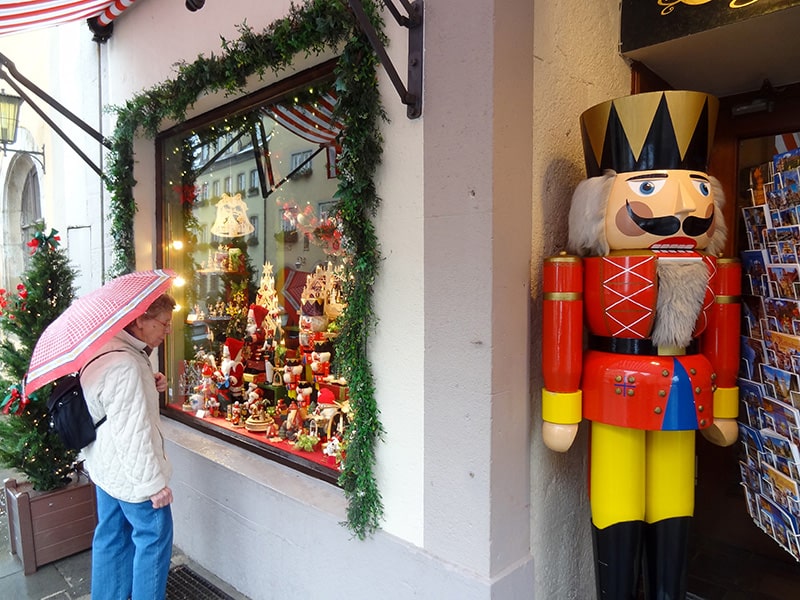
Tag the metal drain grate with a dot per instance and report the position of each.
(185, 584)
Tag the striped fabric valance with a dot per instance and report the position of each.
(24, 15)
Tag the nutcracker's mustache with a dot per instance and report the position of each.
(670, 225)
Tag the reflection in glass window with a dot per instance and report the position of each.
(301, 163)
(252, 355)
(254, 185)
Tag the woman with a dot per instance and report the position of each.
(132, 543)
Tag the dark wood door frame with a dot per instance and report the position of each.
(724, 165)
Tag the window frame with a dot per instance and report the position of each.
(314, 75)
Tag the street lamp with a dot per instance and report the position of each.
(9, 123)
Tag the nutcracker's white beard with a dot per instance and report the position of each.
(681, 290)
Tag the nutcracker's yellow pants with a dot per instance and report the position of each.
(638, 475)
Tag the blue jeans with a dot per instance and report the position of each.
(131, 550)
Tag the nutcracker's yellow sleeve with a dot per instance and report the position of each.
(726, 403)
(561, 407)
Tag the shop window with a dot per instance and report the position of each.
(252, 355)
(253, 188)
(301, 163)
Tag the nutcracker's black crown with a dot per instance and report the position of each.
(652, 131)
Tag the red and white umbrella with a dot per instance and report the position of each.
(81, 330)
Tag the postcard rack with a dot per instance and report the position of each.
(769, 374)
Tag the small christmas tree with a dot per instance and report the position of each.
(46, 289)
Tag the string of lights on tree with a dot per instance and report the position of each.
(46, 289)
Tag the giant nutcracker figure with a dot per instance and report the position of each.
(662, 317)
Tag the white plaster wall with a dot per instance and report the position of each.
(576, 65)
(63, 61)
(153, 36)
(477, 195)
(397, 346)
(273, 533)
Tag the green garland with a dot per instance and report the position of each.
(313, 27)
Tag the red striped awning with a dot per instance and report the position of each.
(24, 15)
(313, 121)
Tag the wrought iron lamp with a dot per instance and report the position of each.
(9, 123)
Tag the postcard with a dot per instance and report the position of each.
(751, 477)
(754, 268)
(782, 489)
(785, 311)
(777, 522)
(753, 312)
(787, 252)
(756, 222)
(782, 279)
(752, 354)
(752, 442)
(760, 174)
(784, 233)
(787, 466)
(786, 161)
(776, 202)
(791, 187)
(779, 383)
(779, 445)
(785, 346)
(781, 417)
(768, 324)
(750, 414)
(751, 497)
(751, 392)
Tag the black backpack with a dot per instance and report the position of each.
(69, 415)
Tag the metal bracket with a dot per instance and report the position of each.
(411, 97)
(34, 154)
(10, 74)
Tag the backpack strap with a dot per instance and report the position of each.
(103, 420)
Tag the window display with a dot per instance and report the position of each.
(249, 222)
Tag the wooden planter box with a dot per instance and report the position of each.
(48, 526)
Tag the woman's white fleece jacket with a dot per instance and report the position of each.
(127, 460)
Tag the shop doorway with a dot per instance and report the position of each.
(730, 553)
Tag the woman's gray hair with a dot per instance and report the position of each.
(587, 217)
(164, 303)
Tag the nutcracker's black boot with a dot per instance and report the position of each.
(617, 559)
(666, 548)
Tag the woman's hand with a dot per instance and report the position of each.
(162, 498)
(161, 382)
